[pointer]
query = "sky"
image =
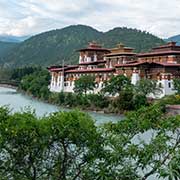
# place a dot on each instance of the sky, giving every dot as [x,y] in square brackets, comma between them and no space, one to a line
[29,17]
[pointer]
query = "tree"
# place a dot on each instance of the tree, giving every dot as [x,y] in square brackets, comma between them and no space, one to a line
[84,84]
[125,100]
[68,146]
[76,143]
[139,100]
[19,73]
[146,143]
[36,84]
[176,83]
[116,84]
[61,146]
[146,87]
[23,146]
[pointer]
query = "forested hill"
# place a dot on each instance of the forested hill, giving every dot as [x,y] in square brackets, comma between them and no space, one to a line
[5,48]
[53,46]
[140,40]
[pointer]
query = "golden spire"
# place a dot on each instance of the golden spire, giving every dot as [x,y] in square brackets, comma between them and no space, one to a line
[120,45]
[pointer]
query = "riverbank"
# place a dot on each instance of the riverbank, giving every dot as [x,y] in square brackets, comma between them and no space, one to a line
[84,109]
[90,110]
[19,102]
[8,86]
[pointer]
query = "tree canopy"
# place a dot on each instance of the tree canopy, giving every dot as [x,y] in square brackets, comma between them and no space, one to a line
[60,146]
[69,146]
[36,83]
[176,83]
[116,84]
[147,87]
[84,84]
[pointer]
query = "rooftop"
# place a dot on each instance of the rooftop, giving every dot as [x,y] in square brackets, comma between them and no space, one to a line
[144,62]
[168,52]
[168,49]
[90,70]
[93,62]
[93,46]
[61,68]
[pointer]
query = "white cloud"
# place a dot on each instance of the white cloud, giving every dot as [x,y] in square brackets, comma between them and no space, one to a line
[24,17]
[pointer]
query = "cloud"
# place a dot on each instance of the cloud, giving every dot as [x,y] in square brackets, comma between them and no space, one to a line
[27,17]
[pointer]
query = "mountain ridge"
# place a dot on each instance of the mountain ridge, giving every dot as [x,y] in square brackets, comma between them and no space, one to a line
[175,38]
[52,47]
[14,39]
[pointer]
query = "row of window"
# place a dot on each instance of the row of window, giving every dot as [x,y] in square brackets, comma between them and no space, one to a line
[169,85]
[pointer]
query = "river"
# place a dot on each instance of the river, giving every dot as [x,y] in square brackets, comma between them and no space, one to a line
[18,102]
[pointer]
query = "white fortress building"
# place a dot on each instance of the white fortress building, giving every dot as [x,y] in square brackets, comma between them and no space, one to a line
[161,64]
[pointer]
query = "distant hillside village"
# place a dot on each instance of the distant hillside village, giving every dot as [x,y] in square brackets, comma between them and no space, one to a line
[161,64]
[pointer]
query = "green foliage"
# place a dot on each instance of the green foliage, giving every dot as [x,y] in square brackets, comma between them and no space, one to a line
[139,100]
[68,146]
[125,100]
[89,101]
[5,74]
[76,144]
[176,83]
[116,84]
[19,73]
[22,150]
[140,40]
[84,84]
[169,100]
[61,146]
[53,46]
[5,49]
[147,142]
[98,101]
[129,97]
[36,84]
[146,87]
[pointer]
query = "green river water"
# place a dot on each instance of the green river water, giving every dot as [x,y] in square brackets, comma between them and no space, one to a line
[18,102]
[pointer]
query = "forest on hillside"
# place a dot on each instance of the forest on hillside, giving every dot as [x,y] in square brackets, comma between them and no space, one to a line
[5,48]
[52,47]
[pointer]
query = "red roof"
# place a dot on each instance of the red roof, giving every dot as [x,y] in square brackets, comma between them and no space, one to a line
[120,53]
[90,70]
[60,68]
[169,44]
[167,64]
[93,49]
[139,63]
[93,46]
[56,69]
[129,64]
[93,62]
[171,52]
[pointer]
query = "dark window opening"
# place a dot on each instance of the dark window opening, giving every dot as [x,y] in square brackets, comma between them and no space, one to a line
[169,84]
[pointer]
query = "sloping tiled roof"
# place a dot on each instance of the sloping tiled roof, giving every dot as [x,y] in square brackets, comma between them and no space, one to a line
[169,52]
[92,62]
[139,63]
[55,69]
[129,64]
[120,53]
[90,70]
